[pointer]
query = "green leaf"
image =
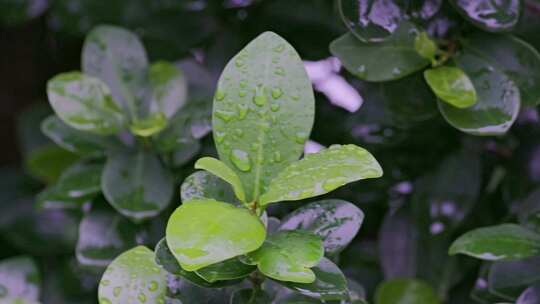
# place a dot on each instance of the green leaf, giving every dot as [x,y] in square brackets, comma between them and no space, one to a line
[528,211]
[509,278]
[322,172]
[513,56]
[227,270]
[452,85]
[149,125]
[82,143]
[288,256]
[330,283]
[263,111]
[220,169]
[204,232]
[103,235]
[335,221]
[492,16]
[498,98]
[133,277]
[204,185]
[405,291]
[19,280]
[502,242]
[398,52]
[166,259]
[250,296]
[117,57]
[84,103]
[48,162]
[169,88]
[426,47]
[136,184]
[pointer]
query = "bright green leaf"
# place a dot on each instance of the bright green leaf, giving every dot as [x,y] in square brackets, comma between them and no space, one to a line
[84,103]
[117,56]
[452,85]
[426,47]
[220,169]
[19,280]
[204,232]
[405,291]
[502,242]
[498,98]
[322,172]
[133,277]
[335,221]
[491,16]
[263,111]
[103,235]
[227,270]
[149,125]
[137,184]
[330,283]
[288,256]
[364,59]
[82,143]
[169,88]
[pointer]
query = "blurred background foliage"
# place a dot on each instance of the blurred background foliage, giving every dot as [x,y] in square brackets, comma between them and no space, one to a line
[438,182]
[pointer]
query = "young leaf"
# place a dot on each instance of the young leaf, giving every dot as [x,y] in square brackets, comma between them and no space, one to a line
[204,232]
[133,277]
[221,170]
[288,256]
[489,15]
[330,283]
[405,291]
[452,85]
[169,88]
[322,172]
[498,98]
[204,185]
[149,125]
[227,270]
[103,236]
[502,242]
[82,143]
[136,184]
[19,280]
[335,221]
[364,60]
[84,103]
[263,111]
[117,57]
[166,259]
[515,57]
[426,47]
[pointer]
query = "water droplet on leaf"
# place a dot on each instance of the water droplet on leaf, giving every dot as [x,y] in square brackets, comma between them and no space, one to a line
[241,160]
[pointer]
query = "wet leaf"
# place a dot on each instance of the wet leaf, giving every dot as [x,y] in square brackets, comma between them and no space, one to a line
[149,125]
[103,235]
[227,270]
[204,232]
[169,88]
[405,291]
[426,47]
[322,172]
[82,143]
[19,280]
[330,283]
[451,85]
[133,277]
[509,279]
[494,243]
[220,169]
[498,98]
[166,259]
[84,103]
[136,184]
[515,57]
[363,59]
[263,111]
[204,185]
[288,256]
[492,16]
[335,221]
[117,57]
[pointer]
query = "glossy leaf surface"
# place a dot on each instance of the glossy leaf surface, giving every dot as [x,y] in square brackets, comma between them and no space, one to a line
[204,185]
[220,169]
[451,85]
[227,270]
[492,16]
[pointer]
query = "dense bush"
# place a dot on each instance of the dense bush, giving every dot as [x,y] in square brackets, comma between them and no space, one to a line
[123,198]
